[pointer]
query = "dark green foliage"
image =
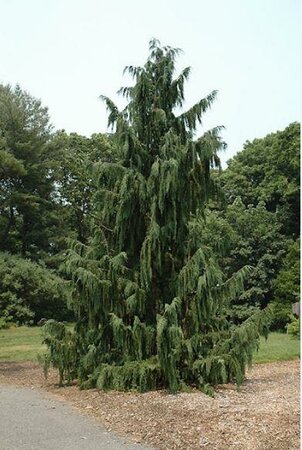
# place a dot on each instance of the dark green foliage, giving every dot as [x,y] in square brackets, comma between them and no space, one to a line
[286,287]
[258,242]
[282,315]
[268,170]
[287,283]
[75,157]
[142,376]
[239,236]
[5,323]
[149,297]
[29,292]
[62,352]
[293,328]
[261,223]
[27,212]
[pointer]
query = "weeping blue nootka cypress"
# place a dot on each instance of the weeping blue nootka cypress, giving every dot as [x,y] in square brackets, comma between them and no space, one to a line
[148,297]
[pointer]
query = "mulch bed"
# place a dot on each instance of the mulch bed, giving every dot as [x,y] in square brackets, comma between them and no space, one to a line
[263,415]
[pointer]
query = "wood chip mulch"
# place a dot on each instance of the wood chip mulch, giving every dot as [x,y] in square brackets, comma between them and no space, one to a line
[263,415]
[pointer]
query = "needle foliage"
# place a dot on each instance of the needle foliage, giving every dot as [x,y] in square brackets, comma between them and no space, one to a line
[148,296]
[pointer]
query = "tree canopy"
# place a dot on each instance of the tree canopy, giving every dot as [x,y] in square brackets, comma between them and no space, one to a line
[267,173]
[26,185]
[268,170]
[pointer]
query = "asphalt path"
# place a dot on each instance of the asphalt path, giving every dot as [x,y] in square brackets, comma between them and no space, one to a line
[32,420]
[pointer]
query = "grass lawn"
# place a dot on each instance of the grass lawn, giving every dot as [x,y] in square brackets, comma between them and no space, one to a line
[21,344]
[278,347]
[24,344]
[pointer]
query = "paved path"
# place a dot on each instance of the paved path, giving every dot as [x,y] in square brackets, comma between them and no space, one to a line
[30,420]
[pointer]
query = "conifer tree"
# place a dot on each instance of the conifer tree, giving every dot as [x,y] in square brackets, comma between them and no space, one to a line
[148,297]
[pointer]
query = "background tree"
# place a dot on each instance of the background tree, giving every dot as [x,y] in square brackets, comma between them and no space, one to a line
[27,216]
[149,297]
[268,170]
[45,191]
[240,236]
[75,157]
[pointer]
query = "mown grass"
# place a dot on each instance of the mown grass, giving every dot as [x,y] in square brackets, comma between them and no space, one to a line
[24,344]
[21,344]
[278,347]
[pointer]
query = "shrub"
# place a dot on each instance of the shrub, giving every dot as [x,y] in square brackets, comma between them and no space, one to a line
[29,292]
[4,323]
[293,328]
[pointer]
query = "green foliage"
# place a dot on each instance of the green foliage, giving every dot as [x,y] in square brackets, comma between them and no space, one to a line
[286,287]
[4,323]
[239,236]
[140,375]
[258,242]
[268,170]
[287,283]
[293,328]
[29,292]
[263,226]
[75,156]
[61,350]
[149,296]
[282,313]
[27,217]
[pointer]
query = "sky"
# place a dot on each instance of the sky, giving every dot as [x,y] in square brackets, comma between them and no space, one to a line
[69,52]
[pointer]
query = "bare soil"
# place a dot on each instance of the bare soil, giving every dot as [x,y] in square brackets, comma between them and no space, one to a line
[263,415]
